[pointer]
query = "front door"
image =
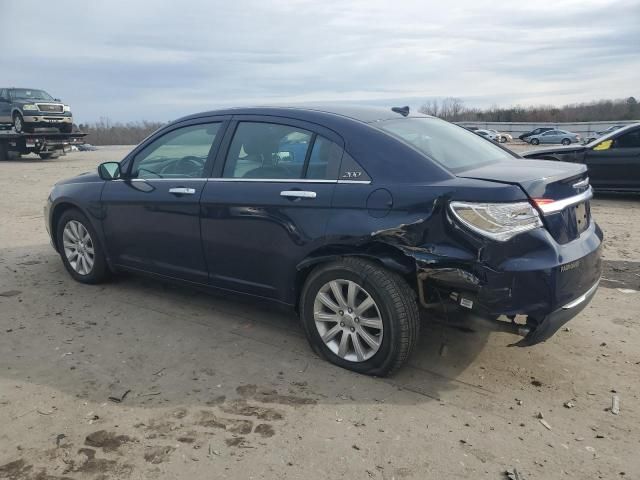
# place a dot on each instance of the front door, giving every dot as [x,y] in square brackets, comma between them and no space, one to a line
[152,216]
[618,165]
[269,205]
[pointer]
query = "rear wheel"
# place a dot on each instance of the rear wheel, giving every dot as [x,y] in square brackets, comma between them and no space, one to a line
[80,248]
[535,141]
[360,316]
[566,141]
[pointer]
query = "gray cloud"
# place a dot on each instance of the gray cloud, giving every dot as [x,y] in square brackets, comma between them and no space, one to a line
[152,59]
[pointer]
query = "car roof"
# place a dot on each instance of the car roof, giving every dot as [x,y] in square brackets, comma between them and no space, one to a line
[361,113]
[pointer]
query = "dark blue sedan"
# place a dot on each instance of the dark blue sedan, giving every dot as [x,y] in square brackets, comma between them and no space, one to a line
[357,218]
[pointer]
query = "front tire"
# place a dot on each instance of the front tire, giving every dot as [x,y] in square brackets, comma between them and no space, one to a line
[18,123]
[566,141]
[80,248]
[360,316]
[66,128]
[535,141]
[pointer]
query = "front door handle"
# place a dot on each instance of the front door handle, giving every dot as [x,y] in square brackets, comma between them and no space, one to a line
[182,191]
[297,194]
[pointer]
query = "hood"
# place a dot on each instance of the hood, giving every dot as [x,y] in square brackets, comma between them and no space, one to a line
[538,178]
[87,177]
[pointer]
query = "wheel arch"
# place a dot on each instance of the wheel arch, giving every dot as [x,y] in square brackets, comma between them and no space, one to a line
[387,256]
[56,213]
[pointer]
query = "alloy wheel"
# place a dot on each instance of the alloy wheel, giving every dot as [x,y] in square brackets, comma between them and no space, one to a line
[348,320]
[78,247]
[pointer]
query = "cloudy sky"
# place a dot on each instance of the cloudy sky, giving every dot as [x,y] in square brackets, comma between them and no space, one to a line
[158,60]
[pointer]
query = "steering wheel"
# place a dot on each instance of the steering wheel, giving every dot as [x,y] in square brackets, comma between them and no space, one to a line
[190,166]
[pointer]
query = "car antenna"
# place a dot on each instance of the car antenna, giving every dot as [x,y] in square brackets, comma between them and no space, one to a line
[404,111]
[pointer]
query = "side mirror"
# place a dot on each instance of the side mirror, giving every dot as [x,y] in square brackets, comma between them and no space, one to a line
[57,100]
[109,170]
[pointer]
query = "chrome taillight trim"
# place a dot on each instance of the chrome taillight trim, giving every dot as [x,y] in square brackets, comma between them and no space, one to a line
[560,205]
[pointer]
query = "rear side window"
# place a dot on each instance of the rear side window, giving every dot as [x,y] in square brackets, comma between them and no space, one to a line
[274,151]
[455,148]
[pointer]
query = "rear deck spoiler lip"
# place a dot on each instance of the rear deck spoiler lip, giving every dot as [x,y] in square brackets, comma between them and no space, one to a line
[560,205]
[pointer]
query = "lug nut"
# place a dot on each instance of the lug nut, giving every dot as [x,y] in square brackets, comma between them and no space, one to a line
[350,310]
[353,329]
[357,320]
[341,313]
[342,324]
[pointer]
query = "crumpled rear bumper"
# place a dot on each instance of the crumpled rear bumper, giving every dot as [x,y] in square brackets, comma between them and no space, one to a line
[550,324]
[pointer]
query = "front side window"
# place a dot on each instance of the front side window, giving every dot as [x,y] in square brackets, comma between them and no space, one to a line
[181,153]
[455,148]
[274,151]
[628,140]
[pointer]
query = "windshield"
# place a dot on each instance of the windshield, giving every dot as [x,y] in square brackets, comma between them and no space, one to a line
[24,94]
[455,148]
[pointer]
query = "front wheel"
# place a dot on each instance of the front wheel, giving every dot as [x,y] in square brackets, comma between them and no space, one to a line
[360,316]
[18,123]
[535,141]
[566,141]
[80,248]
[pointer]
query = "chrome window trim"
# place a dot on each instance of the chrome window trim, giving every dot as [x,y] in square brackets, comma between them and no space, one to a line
[218,179]
[560,205]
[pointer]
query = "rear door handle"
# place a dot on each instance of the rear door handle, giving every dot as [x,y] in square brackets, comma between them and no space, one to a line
[297,194]
[182,191]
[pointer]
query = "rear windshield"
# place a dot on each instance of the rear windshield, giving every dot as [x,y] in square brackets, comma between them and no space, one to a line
[25,94]
[455,148]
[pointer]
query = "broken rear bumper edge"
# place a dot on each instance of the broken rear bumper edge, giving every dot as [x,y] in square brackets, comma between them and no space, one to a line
[551,323]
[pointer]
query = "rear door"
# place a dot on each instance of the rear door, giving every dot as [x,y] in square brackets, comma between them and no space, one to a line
[152,217]
[268,204]
[616,164]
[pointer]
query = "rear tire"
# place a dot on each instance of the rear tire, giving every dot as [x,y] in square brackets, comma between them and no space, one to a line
[393,309]
[535,141]
[89,264]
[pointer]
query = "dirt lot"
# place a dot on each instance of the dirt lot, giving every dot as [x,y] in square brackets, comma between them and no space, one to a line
[222,389]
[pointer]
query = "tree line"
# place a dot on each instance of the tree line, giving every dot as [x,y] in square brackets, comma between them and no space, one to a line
[105,132]
[454,110]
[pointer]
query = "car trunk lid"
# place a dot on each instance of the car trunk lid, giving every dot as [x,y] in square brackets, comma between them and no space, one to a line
[560,190]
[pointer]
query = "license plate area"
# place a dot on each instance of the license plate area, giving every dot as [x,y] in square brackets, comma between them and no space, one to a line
[582,217]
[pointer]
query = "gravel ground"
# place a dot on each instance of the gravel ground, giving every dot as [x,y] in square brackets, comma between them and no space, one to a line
[219,388]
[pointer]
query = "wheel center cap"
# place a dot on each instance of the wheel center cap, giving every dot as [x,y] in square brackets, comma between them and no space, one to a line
[347,318]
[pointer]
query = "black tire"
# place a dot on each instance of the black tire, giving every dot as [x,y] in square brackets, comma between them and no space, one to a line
[566,141]
[66,128]
[47,156]
[4,152]
[18,123]
[100,271]
[535,141]
[395,300]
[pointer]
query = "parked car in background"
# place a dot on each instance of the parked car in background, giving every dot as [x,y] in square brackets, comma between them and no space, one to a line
[555,136]
[524,137]
[595,135]
[613,161]
[27,109]
[86,147]
[473,129]
[490,134]
[356,244]
[504,137]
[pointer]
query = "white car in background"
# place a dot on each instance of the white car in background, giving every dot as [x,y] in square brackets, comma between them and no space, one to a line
[490,134]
